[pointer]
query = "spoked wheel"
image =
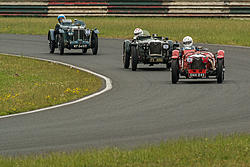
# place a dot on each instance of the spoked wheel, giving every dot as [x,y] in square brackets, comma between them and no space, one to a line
[61,45]
[51,45]
[94,43]
[84,51]
[134,58]
[126,57]
[175,71]
[220,72]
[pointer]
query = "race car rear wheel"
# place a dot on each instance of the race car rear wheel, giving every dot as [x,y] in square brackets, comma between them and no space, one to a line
[51,45]
[175,71]
[220,72]
[94,43]
[84,51]
[134,58]
[126,57]
[61,44]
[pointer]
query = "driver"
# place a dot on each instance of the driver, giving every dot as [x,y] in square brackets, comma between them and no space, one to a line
[188,43]
[60,19]
[137,32]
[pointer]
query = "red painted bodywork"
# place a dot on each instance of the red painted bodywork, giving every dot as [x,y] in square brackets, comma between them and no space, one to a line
[175,54]
[220,54]
[197,71]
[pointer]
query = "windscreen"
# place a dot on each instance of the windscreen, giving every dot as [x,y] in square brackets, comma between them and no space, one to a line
[145,33]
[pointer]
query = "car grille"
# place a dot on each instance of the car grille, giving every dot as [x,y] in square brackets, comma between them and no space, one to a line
[76,33]
[155,47]
[197,64]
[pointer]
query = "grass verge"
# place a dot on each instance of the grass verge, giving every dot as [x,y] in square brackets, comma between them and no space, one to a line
[231,151]
[27,84]
[203,30]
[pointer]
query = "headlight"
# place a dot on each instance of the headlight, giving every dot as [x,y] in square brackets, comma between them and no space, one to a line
[189,59]
[70,33]
[165,46]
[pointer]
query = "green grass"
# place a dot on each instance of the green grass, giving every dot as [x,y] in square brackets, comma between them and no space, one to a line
[27,84]
[231,151]
[203,30]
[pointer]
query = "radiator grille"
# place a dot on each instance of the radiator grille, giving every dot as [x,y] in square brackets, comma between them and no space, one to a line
[155,47]
[78,34]
[197,64]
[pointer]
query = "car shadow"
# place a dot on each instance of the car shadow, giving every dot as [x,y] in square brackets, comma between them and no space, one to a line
[197,82]
[152,69]
[74,54]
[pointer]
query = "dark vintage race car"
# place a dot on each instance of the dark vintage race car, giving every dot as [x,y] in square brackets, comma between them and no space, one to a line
[73,36]
[147,49]
[197,64]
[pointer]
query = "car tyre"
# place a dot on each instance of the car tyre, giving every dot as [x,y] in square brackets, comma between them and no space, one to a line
[94,43]
[134,58]
[84,51]
[220,72]
[51,45]
[175,71]
[126,57]
[61,44]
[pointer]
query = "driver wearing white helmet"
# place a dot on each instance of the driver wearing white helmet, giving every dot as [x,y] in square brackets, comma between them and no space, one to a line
[137,32]
[188,43]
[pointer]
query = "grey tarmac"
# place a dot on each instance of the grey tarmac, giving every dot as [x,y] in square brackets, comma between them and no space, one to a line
[142,108]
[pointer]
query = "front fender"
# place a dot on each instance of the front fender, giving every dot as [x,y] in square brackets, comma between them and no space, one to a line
[175,54]
[220,54]
[127,46]
[51,34]
[96,31]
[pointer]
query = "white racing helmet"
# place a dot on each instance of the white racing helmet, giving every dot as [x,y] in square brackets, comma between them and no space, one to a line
[137,31]
[187,41]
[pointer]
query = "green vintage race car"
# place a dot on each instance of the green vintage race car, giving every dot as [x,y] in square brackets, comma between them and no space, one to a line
[147,49]
[73,36]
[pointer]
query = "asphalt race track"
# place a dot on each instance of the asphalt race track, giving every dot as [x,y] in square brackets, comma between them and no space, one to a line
[143,107]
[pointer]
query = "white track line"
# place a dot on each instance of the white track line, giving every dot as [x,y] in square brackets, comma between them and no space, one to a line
[107,88]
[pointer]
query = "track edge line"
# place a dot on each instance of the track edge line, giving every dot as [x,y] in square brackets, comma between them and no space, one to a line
[108,83]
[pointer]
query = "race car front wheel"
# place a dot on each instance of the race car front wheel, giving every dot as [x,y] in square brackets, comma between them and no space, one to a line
[134,58]
[175,71]
[51,45]
[220,72]
[94,43]
[126,57]
[61,45]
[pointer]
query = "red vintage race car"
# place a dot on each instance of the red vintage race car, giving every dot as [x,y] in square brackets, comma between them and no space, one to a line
[197,64]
